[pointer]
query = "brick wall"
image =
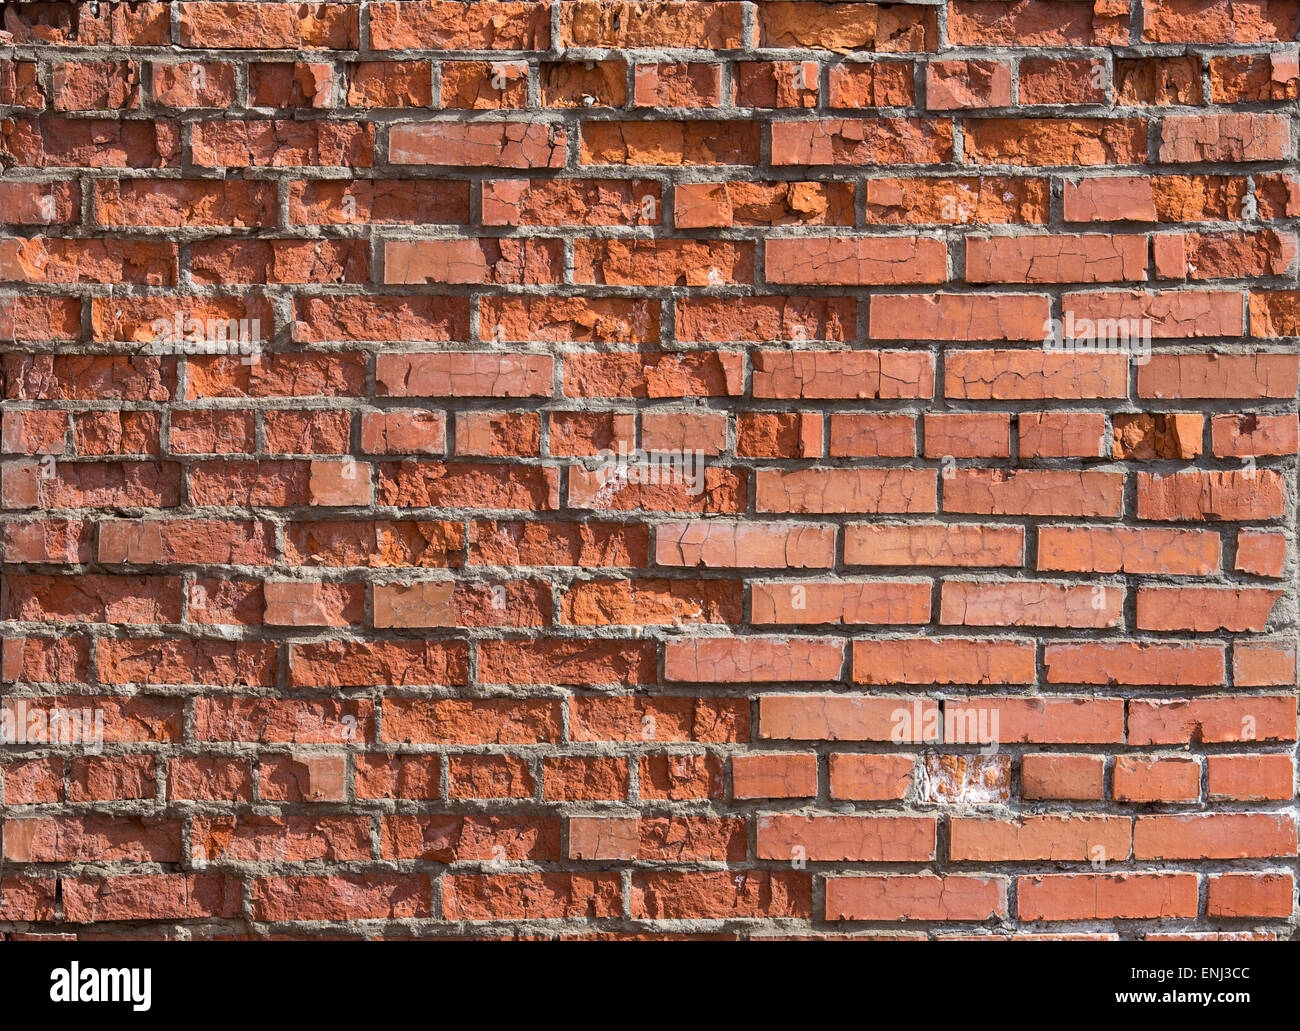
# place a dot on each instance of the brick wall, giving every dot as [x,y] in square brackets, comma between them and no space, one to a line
[958,600]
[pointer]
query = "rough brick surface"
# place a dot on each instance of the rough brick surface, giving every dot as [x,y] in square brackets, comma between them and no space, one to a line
[605,469]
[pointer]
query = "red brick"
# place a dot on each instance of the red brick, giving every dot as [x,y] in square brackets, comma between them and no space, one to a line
[1135,662]
[345,897]
[1034,492]
[668,143]
[1217,22]
[1261,553]
[857,261]
[1050,776]
[873,839]
[670,895]
[1048,80]
[871,777]
[1236,436]
[866,141]
[1122,549]
[723,545]
[1135,896]
[1251,778]
[958,317]
[946,660]
[281,143]
[845,490]
[984,23]
[1034,603]
[603,837]
[950,544]
[1056,141]
[916,897]
[984,200]
[840,602]
[1214,836]
[871,436]
[1234,137]
[1109,198]
[753,660]
[856,374]
[1033,375]
[774,775]
[1250,895]
[1055,259]
[1204,610]
[1061,434]
[840,26]
[1040,838]
[1213,720]
[954,85]
[1198,496]
[1157,780]
[717,26]
[1240,375]
[832,717]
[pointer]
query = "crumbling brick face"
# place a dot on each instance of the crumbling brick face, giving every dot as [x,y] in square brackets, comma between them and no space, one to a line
[609,469]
